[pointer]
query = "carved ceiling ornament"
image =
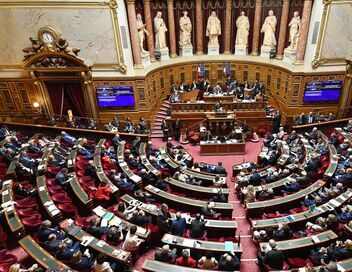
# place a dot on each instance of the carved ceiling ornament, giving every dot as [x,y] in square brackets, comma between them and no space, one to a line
[50,49]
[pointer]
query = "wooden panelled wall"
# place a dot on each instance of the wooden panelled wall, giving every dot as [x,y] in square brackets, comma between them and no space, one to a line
[18,95]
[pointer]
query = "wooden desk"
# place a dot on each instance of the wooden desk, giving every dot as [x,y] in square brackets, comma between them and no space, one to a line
[46,200]
[189,96]
[215,98]
[215,247]
[285,154]
[325,237]
[155,266]
[216,227]
[273,185]
[125,168]
[12,218]
[150,168]
[194,190]
[79,192]
[43,163]
[301,218]
[113,252]
[71,160]
[100,173]
[41,256]
[125,225]
[274,204]
[189,204]
[333,158]
[345,134]
[228,148]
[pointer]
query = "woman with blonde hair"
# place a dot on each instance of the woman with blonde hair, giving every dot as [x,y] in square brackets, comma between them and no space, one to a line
[249,194]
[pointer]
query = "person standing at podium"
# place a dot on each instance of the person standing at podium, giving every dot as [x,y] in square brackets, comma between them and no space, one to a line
[218,106]
[208,137]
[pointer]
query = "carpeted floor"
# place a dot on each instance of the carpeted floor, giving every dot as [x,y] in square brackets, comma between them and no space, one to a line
[249,248]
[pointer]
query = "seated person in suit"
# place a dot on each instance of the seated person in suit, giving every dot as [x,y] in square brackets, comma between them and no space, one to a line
[52,161]
[283,232]
[313,165]
[249,194]
[220,197]
[45,230]
[123,183]
[342,250]
[163,219]
[186,260]
[310,118]
[344,178]
[81,262]
[23,192]
[114,235]
[208,211]
[218,106]
[300,120]
[66,250]
[293,136]
[348,127]
[22,171]
[84,152]
[219,169]
[323,255]
[52,243]
[345,214]
[232,135]
[208,262]
[313,135]
[271,257]
[208,136]
[333,139]
[131,241]
[32,148]
[91,170]
[255,178]
[116,141]
[7,156]
[165,254]
[143,196]
[138,218]
[95,230]
[197,229]
[123,211]
[68,138]
[229,262]
[268,139]
[26,160]
[161,185]
[61,178]
[178,226]
[266,194]
[318,226]
[290,186]
[342,148]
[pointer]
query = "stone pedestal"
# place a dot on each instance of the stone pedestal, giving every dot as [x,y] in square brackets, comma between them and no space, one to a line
[164,53]
[265,51]
[290,55]
[186,50]
[241,50]
[145,58]
[213,49]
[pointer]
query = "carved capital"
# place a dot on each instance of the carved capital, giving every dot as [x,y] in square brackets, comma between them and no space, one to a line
[130,2]
[198,1]
[170,1]
[349,68]
[325,2]
[112,4]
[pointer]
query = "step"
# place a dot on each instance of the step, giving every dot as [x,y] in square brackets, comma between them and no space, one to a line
[157,131]
[163,108]
[162,112]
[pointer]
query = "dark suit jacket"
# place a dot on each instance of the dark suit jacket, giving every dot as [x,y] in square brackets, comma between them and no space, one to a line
[220,170]
[178,227]
[197,229]
[274,258]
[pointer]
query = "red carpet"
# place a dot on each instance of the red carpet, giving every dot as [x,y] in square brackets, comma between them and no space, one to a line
[249,248]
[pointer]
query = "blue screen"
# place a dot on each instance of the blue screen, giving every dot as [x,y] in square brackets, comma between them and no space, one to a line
[322,91]
[115,96]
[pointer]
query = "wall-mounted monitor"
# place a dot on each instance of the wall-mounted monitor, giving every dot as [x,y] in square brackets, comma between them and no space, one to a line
[115,96]
[322,91]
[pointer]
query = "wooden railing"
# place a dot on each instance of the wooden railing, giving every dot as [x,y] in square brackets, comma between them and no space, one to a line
[323,126]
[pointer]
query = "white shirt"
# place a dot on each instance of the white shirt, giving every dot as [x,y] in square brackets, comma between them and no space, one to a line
[105,267]
[131,241]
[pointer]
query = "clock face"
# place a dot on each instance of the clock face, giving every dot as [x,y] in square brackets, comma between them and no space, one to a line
[47,38]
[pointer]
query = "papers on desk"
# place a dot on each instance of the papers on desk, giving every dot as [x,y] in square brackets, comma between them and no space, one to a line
[115,221]
[99,211]
[185,216]
[157,190]
[141,230]
[70,162]
[188,243]
[228,245]
[6,192]
[55,212]
[104,222]
[7,204]
[151,207]
[101,243]
[136,178]
[340,268]
[86,240]
[48,203]
[334,203]
[41,167]
[41,188]
[52,208]
[315,239]
[6,182]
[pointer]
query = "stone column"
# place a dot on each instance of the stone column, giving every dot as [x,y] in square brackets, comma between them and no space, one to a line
[172,32]
[345,100]
[303,33]
[149,26]
[256,27]
[132,20]
[283,29]
[227,49]
[199,27]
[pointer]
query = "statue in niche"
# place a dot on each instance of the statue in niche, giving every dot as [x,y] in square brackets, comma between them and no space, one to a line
[243,25]
[213,29]
[269,28]
[295,26]
[185,29]
[141,32]
[160,30]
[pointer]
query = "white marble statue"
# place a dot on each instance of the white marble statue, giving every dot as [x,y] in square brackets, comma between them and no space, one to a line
[213,29]
[295,26]
[141,32]
[243,25]
[160,30]
[185,29]
[269,28]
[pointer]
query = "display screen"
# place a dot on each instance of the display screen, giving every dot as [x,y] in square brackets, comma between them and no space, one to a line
[322,91]
[115,96]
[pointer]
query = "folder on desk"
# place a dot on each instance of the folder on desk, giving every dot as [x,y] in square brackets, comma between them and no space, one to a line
[74,230]
[228,245]
[315,239]
[86,240]
[108,216]
[99,211]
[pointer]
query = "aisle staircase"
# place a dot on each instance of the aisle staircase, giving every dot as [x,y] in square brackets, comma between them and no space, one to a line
[159,118]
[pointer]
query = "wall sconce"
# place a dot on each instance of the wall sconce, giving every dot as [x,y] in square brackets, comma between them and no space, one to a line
[36,106]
